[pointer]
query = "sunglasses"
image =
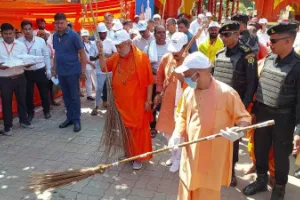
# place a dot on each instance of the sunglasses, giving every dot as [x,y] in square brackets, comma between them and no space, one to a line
[227,34]
[273,41]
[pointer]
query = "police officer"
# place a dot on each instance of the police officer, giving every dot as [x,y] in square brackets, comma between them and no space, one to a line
[236,65]
[245,36]
[278,98]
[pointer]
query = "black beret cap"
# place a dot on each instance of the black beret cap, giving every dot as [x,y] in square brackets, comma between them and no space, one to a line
[230,26]
[283,27]
[240,17]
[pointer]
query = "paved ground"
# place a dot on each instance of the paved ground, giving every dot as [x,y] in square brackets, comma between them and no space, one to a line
[48,148]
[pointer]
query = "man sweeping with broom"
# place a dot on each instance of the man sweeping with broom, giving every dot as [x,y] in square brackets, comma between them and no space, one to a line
[132,83]
[207,106]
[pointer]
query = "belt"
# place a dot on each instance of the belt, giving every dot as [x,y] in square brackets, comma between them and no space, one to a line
[276,110]
[12,77]
[33,70]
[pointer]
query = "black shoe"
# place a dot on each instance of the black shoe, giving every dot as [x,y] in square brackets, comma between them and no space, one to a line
[259,185]
[65,124]
[90,98]
[278,192]
[30,117]
[94,111]
[77,127]
[233,182]
[26,124]
[47,116]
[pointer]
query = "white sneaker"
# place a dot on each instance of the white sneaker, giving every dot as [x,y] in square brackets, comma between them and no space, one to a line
[169,162]
[136,165]
[8,132]
[175,166]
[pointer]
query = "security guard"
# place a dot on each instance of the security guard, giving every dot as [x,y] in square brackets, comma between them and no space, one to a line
[278,98]
[245,36]
[236,65]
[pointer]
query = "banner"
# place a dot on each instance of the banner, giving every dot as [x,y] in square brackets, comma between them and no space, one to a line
[145,9]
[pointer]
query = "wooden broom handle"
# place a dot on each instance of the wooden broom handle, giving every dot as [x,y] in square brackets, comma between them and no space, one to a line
[187,48]
[247,128]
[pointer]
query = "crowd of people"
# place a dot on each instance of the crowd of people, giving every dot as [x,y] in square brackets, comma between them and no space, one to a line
[231,75]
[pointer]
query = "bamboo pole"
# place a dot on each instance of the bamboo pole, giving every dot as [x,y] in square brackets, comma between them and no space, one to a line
[232,7]
[220,11]
[42,182]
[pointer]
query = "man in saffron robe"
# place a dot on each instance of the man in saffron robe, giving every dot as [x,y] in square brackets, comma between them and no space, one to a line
[132,83]
[207,107]
[169,89]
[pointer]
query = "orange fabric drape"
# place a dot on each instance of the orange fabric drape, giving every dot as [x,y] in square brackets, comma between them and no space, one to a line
[270,9]
[14,12]
[172,7]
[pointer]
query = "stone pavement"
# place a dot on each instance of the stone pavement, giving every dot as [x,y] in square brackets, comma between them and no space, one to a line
[48,148]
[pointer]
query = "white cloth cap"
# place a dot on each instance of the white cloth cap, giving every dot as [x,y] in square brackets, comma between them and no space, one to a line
[263,21]
[135,16]
[121,36]
[178,40]
[208,14]
[214,24]
[117,26]
[133,31]
[84,32]
[156,16]
[101,28]
[142,25]
[196,60]
[201,16]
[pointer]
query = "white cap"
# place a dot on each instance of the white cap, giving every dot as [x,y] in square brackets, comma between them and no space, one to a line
[101,28]
[142,25]
[117,26]
[201,16]
[208,14]
[263,21]
[121,36]
[214,24]
[84,32]
[135,16]
[178,40]
[133,31]
[196,60]
[156,16]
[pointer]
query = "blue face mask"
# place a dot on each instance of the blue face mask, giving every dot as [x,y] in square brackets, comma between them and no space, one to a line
[191,83]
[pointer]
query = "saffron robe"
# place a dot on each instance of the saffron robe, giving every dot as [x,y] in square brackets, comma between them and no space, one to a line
[130,98]
[168,82]
[203,113]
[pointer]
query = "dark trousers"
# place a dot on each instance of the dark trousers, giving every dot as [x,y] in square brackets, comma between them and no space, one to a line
[39,78]
[104,92]
[8,86]
[235,157]
[50,91]
[69,86]
[155,110]
[280,136]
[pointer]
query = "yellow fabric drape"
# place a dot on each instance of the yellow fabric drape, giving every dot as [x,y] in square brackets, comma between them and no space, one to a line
[276,3]
[187,6]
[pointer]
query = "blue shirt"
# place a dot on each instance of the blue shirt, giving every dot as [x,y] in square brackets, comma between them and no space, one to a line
[194,45]
[66,48]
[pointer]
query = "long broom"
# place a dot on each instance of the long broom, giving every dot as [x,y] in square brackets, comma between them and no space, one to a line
[42,182]
[115,136]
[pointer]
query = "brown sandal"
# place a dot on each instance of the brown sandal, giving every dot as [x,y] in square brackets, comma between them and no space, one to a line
[94,111]
[153,132]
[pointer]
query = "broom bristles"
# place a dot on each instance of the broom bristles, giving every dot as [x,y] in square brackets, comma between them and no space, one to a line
[115,136]
[42,182]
